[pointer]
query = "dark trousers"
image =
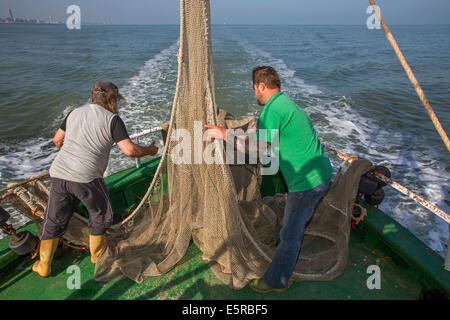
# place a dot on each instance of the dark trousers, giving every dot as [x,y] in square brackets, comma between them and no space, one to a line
[63,201]
[298,211]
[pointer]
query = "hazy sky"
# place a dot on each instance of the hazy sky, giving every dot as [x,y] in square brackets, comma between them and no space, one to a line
[236,11]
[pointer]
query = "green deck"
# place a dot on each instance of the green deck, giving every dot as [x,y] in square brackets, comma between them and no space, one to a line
[407,266]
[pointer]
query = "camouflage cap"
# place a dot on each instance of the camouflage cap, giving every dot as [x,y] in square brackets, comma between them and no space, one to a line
[106,86]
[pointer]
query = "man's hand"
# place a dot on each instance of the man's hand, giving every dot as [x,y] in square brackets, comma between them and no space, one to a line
[58,139]
[153,149]
[252,125]
[216,132]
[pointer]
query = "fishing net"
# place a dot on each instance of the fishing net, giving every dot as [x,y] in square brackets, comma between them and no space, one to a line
[216,205]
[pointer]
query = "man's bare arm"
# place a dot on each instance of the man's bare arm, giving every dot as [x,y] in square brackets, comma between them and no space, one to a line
[133,150]
[58,139]
[243,145]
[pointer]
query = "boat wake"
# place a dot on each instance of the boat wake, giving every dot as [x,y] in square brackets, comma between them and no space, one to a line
[340,122]
[341,125]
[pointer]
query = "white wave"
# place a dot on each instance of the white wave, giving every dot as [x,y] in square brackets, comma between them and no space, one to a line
[148,102]
[22,161]
[350,132]
[149,92]
[291,83]
[148,97]
[27,158]
[417,170]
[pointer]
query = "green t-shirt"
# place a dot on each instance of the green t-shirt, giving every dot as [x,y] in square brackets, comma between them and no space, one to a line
[302,160]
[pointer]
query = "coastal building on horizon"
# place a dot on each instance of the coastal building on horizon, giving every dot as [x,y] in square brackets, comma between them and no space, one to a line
[12,20]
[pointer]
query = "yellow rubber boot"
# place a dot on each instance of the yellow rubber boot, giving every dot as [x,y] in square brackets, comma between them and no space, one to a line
[46,251]
[96,246]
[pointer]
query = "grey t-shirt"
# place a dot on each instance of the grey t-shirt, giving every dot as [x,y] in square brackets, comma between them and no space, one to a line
[90,133]
[118,130]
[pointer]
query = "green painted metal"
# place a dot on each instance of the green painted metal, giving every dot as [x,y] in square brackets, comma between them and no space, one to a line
[420,258]
[408,267]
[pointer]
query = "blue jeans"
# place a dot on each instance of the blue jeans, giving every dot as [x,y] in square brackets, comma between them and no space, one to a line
[298,211]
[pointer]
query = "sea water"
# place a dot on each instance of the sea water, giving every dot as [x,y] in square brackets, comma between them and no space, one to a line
[347,78]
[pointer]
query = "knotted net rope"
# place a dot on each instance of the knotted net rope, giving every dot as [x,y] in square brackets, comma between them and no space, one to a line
[412,77]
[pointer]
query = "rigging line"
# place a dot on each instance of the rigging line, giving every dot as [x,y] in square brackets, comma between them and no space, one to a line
[43,175]
[412,78]
[430,206]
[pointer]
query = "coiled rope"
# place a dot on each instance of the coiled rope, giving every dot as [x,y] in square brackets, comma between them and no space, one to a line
[412,78]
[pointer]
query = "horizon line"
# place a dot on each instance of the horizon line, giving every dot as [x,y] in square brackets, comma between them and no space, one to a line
[242,24]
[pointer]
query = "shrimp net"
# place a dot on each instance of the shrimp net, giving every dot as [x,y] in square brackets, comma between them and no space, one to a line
[217,205]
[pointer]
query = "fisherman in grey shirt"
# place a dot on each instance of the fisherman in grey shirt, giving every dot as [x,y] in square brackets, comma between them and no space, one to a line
[85,139]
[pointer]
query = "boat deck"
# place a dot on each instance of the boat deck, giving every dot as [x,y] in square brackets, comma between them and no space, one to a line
[193,279]
[407,267]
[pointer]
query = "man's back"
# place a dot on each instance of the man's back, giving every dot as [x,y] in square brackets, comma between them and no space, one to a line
[87,143]
[303,162]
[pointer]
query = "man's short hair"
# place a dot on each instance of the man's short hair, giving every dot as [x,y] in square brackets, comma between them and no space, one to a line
[266,75]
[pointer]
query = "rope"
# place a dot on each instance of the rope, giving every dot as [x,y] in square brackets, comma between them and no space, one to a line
[24,182]
[348,159]
[4,196]
[34,214]
[430,206]
[413,79]
[67,244]
[155,129]
[361,217]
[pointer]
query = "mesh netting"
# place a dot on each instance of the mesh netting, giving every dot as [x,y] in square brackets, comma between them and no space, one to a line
[218,206]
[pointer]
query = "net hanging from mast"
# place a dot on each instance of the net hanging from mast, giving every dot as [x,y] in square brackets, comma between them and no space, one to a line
[218,206]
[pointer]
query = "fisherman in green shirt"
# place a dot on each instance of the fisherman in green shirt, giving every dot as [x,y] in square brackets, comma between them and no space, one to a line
[303,163]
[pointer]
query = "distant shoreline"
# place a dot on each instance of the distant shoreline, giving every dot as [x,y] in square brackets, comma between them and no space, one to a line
[214,24]
[53,24]
[32,24]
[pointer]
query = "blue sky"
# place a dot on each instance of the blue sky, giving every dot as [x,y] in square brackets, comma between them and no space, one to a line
[236,11]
